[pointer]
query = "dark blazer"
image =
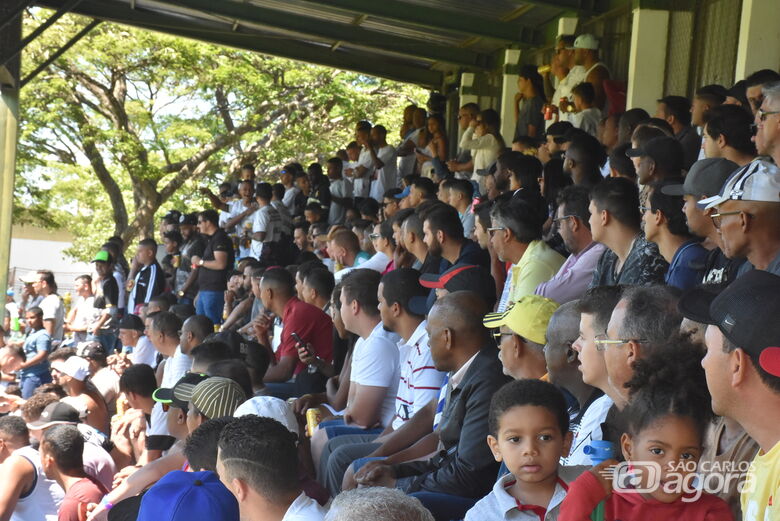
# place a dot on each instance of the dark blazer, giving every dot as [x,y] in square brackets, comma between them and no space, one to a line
[466,466]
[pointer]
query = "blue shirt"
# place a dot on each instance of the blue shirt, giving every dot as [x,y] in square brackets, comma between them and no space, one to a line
[687,266]
[36,342]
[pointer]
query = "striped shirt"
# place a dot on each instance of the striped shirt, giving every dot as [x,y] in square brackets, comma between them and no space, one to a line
[419,382]
[149,282]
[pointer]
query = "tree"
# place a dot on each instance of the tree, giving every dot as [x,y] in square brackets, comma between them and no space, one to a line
[127,123]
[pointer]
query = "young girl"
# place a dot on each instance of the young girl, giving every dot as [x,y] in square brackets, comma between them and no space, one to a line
[668,415]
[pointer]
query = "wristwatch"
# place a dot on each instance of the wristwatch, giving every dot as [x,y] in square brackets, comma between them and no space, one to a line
[201,262]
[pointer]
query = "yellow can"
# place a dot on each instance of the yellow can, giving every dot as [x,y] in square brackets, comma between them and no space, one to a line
[313,418]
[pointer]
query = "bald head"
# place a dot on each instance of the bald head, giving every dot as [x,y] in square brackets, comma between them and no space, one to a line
[462,312]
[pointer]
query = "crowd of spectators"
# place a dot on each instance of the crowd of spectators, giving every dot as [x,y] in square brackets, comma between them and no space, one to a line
[582,325]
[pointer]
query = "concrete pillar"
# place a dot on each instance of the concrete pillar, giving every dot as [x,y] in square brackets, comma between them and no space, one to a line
[10,36]
[467,91]
[759,38]
[647,60]
[508,92]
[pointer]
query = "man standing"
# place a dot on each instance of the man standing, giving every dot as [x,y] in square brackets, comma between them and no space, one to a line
[241,217]
[385,160]
[103,329]
[52,306]
[186,282]
[586,55]
[266,227]
[150,279]
[82,312]
[463,164]
[213,267]
[34,371]
[25,493]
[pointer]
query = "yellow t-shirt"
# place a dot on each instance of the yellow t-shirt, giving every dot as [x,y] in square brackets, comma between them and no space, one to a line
[538,264]
[761,491]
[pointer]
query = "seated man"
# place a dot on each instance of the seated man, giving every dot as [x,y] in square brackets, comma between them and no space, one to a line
[257,461]
[451,482]
[25,493]
[344,250]
[521,336]
[60,454]
[309,323]
[73,376]
[375,363]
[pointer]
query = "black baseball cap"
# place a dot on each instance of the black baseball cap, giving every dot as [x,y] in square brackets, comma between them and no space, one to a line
[745,312]
[57,413]
[666,151]
[189,218]
[705,178]
[91,349]
[133,322]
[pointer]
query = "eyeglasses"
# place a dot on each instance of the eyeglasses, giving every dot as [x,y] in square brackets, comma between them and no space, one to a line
[558,220]
[602,341]
[762,115]
[492,231]
[643,209]
[374,236]
[716,217]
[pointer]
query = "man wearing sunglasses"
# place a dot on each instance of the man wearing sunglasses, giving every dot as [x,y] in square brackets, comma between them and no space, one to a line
[746,212]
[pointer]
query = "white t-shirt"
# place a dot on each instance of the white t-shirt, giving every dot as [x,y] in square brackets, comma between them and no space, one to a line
[377,262]
[304,508]
[53,309]
[388,174]
[175,367]
[107,382]
[244,225]
[120,281]
[267,220]
[226,215]
[361,185]
[419,381]
[406,163]
[588,430]
[144,352]
[86,315]
[338,188]
[588,120]
[375,363]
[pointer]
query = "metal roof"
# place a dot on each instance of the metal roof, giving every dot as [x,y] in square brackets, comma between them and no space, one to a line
[415,41]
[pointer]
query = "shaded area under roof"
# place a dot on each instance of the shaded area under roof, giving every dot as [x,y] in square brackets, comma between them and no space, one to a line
[414,41]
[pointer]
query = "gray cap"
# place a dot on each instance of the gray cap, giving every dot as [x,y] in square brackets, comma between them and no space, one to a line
[705,178]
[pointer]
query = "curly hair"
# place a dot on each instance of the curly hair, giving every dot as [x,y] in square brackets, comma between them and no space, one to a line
[670,381]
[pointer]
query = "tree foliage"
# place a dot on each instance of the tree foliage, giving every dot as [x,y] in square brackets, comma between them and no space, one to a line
[128,124]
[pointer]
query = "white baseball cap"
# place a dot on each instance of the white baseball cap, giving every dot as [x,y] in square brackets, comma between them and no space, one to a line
[586,41]
[757,181]
[75,367]
[269,407]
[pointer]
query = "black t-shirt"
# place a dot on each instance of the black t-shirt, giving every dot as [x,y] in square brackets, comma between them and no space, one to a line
[216,280]
[192,248]
[719,269]
[107,297]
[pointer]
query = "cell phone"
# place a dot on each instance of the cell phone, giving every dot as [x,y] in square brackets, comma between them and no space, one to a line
[298,339]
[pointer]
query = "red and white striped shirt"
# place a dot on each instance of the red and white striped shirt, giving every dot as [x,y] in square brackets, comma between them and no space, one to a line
[419,382]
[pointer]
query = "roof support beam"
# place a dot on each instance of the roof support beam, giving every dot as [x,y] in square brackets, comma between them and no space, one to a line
[438,19]
[59,52]
[64,8]
[346,33]
[222,34]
